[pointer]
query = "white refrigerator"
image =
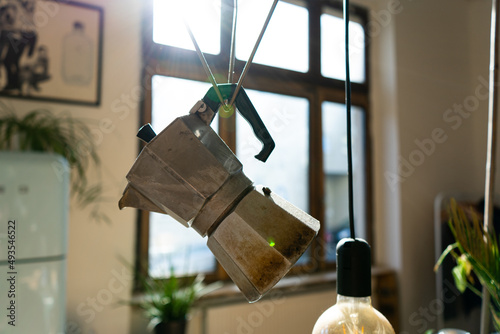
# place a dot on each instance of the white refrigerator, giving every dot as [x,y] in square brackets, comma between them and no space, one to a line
[34,199]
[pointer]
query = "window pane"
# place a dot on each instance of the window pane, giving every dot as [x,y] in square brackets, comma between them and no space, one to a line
[173,97]
[286,170]
[285,42]
[203,17]
[335,169]
[170,243]
[333,49]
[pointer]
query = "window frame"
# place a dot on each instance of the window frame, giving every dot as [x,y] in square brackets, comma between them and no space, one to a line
[180,63]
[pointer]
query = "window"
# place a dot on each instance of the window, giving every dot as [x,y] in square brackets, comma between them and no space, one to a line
[296,85]
[289,50]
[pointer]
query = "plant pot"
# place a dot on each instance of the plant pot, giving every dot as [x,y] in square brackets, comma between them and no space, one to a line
[172,327]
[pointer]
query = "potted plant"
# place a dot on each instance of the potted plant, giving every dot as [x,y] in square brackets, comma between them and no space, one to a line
[475,251]
[167,302]
[42,131]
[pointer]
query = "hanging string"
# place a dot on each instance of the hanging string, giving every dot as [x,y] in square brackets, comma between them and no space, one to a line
[348,114]
[204,62]
[254,50]
[232,54]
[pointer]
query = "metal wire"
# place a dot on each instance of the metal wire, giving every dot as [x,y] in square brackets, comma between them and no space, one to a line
[204,63]
[232,55]
[348,116]
[255,47]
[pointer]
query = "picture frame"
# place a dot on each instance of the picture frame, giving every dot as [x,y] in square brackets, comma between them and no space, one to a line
[51,51]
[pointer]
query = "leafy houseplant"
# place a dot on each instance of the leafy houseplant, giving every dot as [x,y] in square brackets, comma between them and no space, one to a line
[42,131]
[166,303]
[475,251]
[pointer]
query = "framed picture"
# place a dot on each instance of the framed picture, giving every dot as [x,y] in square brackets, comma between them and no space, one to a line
[51,50]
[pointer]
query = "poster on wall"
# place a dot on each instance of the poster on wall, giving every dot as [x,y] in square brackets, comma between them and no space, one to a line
[51,50]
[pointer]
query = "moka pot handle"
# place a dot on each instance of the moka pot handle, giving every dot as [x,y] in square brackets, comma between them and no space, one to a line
[247,110]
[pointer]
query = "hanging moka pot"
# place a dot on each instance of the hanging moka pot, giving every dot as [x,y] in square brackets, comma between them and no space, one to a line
[188,172]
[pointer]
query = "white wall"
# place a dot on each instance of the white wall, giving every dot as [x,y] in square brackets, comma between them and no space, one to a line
[426,60]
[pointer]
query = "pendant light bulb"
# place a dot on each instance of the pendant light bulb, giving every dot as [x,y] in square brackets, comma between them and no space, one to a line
[353,313]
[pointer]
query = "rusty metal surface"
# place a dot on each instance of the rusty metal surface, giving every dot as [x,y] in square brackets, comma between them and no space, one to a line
[258,243]
[181,168]
[217,207]
[132,197]
[253,265]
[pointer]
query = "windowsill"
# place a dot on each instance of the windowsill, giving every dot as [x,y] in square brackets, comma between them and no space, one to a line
[292,285]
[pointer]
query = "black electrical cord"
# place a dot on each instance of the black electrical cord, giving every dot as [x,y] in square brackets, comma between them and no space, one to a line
[348,114]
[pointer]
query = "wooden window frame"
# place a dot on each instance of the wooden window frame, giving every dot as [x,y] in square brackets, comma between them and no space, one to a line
[179,63]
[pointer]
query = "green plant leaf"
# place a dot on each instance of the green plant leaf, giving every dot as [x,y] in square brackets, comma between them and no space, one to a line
[169,299]
[460,278]
[445,253]
[475,250]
